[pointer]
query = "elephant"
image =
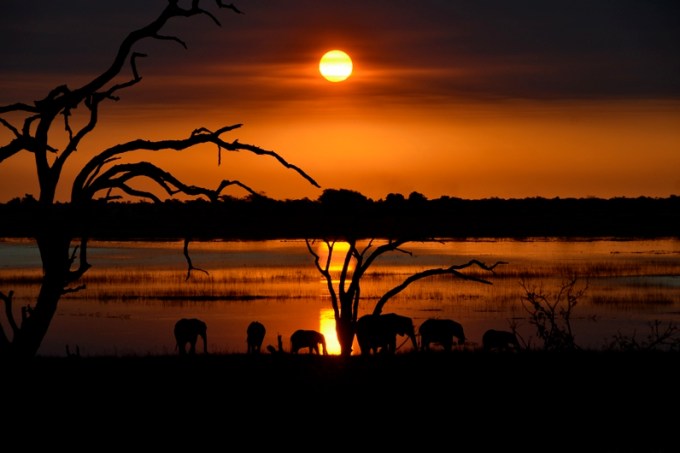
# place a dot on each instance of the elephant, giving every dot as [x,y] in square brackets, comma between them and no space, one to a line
[500,340]
[440,331]
[187,331]
[378,333]
[308,339]
[255,336]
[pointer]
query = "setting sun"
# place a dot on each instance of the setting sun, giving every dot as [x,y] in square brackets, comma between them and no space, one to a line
[335,66]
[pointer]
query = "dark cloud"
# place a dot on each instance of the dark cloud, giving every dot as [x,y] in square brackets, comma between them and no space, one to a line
[441,49]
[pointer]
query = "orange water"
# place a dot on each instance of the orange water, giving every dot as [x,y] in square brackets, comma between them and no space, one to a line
[137,290]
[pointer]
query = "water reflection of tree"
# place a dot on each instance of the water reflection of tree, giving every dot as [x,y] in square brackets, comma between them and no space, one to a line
[355,262]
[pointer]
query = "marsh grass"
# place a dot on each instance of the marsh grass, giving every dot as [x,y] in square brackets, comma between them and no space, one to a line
[631,300]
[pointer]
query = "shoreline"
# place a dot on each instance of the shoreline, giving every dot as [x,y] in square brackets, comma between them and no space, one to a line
[534,401]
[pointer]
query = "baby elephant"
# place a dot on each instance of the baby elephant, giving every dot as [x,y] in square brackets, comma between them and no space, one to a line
[187,332]
[307,339]
[255,336]
[442,332]
[500,340]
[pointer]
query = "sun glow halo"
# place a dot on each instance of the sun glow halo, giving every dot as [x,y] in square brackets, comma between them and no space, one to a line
[335,66]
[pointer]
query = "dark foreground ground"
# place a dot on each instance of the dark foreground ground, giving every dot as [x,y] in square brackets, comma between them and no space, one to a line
[585,401]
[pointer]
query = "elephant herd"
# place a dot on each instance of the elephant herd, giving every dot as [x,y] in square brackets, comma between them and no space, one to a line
[378,333]
[375,334]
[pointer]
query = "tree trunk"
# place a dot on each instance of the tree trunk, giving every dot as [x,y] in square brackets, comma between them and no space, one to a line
[54,244]
[34,327]
[344,327]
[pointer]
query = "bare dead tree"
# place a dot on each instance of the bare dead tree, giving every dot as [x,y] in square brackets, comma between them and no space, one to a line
[551,313]
[345,299]
[32,127]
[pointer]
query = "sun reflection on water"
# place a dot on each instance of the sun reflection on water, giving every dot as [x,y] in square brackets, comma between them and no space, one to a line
[327,328]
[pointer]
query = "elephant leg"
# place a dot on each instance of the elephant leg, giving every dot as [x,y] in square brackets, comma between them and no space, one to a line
[392,345]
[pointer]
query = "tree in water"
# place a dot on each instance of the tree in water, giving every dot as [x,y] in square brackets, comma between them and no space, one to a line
[62,230]
[355,263]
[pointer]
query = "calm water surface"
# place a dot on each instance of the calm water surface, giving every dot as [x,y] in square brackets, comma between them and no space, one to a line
[137,290]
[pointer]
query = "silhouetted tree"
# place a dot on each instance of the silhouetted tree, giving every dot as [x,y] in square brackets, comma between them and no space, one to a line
[417,197]
[59,227]
[394,199]
[550,313]
[355,263]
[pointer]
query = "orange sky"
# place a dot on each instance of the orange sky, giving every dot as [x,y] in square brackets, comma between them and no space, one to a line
[448,98]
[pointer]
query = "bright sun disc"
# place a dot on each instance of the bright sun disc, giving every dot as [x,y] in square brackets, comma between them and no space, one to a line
[335,66]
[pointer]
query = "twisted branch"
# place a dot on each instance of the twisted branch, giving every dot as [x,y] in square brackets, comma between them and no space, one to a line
[190,265]
[86,184]
[453,270]
[62,100]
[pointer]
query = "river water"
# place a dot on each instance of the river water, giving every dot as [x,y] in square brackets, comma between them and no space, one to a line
[136,291]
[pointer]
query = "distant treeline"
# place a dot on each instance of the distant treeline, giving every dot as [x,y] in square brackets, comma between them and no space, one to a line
[345,213]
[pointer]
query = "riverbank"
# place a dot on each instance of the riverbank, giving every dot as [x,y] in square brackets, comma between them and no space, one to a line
[395,216]
[413,373]
[531,401]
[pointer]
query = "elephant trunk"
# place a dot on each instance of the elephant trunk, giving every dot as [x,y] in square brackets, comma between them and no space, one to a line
[205,343]
[412,336]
